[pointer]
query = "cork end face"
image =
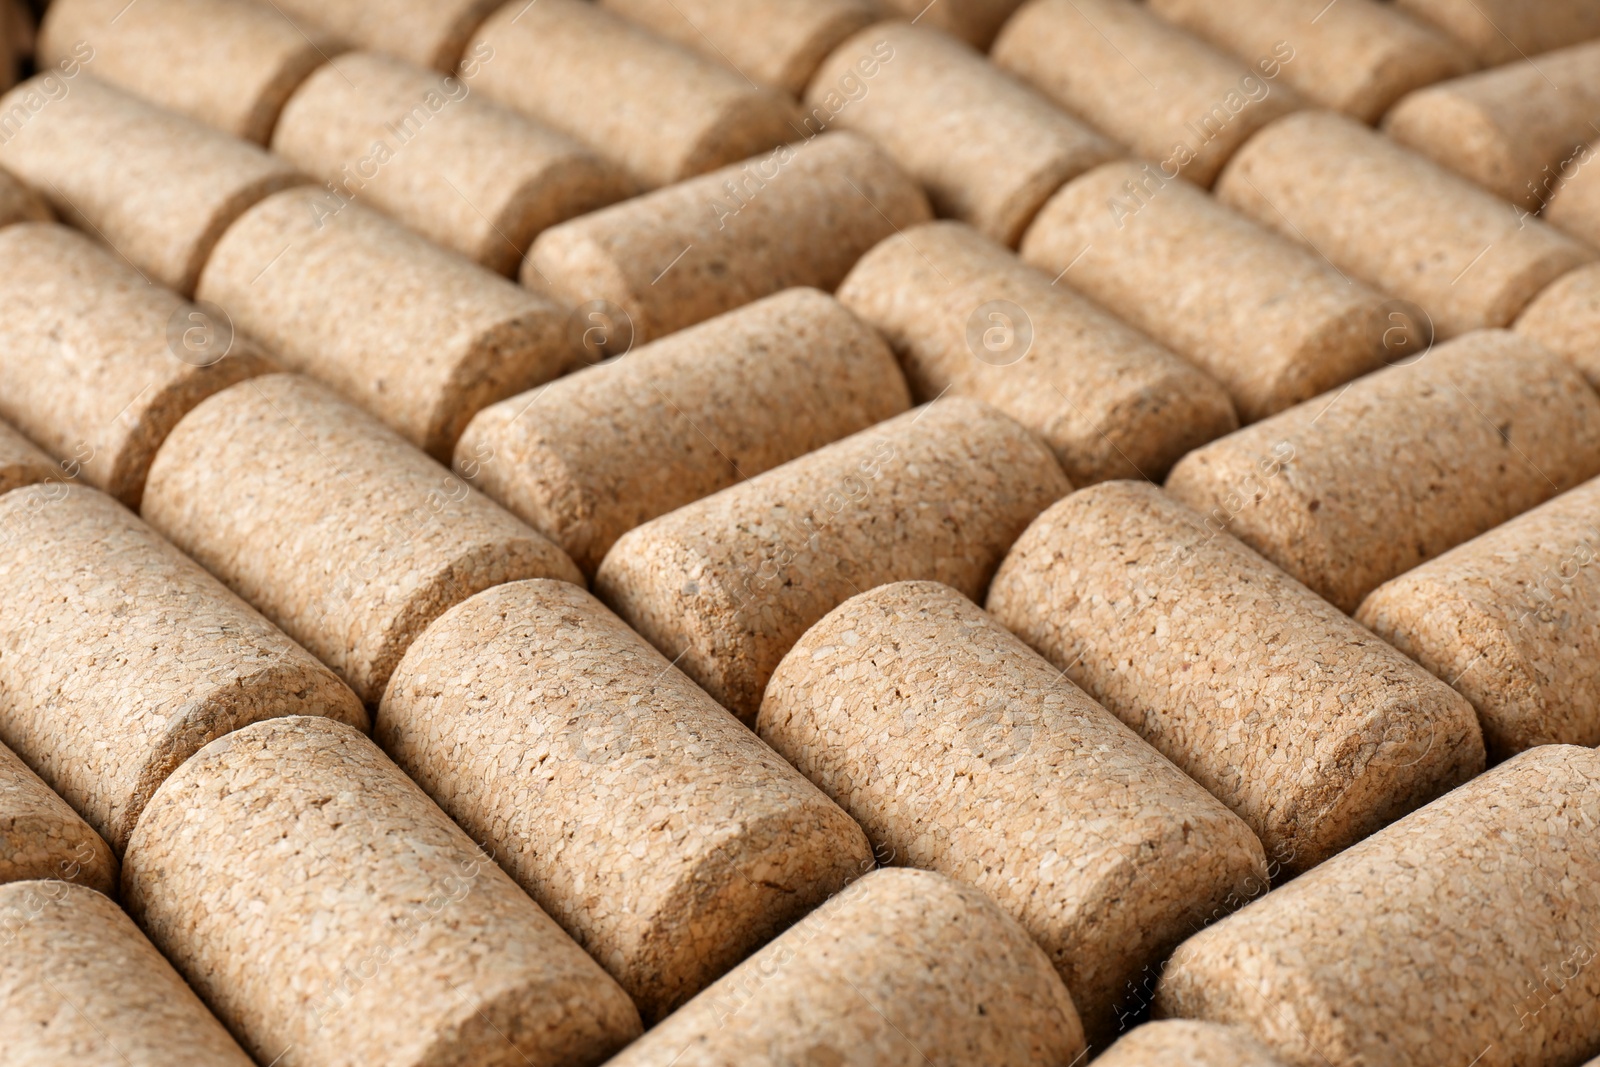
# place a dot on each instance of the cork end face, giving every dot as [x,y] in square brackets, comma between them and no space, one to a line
[752,122]
[1565,318]
[1455,132]
[570,187]
[543,1024]
[572,263]
[41,837]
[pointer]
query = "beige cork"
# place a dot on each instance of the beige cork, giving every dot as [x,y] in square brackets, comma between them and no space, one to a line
[973,21]
[18,203]
[161,199]
[80,985]
[592,455]
[1184,1043]
[418,146]
[1169,96]
[330,524]
[21,462]
[1311,729]
[800,216]
[988,149]
[418,336]
[428,33]
[120,657]
[42,837]
[965,315]
[99,366]
[659,111]
[960,750]
[331,914]
[1565,318]
[1273,322]
[643,817]
[1387,216]
[1402,465]
[1464,931]
[1574,201]
[1504,31]
[903,969]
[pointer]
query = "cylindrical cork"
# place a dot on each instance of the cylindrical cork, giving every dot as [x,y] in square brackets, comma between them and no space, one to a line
[428,33]
[988,150]
[18,203]
[667,260]
[1169,96]
[726,585]
[416,335]
[1402,465]
[1273,322]
[80,984]
[1184,1043]
[965,315]
[666,839]
[42,837]
[21,462]
[328,911]
[330,524]
[1311,729]
[661,112]
[592,455]
[974,21]
[1574,201]
[1565,318]
[904,968]
[959,750]
[1391,218]
[120,657]
[1464,931]
[161,199]
[1504,31]
[99,366]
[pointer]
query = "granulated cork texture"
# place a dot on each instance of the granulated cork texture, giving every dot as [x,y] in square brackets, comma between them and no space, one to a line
[1503,31]
[41,837]
[428,33]
[1176,1043]
[18,203]
[1565,318]
[21,462]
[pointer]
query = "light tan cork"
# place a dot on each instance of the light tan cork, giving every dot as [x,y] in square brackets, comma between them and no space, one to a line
[420,950]
[1504,31]
[1273,322]
[800,216]
[903,969]
[1167,95]
[1311,729]
[79,984]
[726,585]
[1574,203]
[120,657]
[1565,318]
[661,112]
[1391,218]
[965,315]
[1184,1043]
[960,750]
[1351,489]
[99,366]
[428,33]
[21,462]
[973,21]
[418,146]
[42,837]
[592,455]
[417,335]
[665,838]
[162,199]
[1462,931]
[18,203]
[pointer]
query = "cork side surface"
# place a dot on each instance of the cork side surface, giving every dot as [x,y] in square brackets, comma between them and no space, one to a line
[1565,318]
[1184,1043]
[1504,31]
[18,203]
[41,837]
[429,33]
[21,462]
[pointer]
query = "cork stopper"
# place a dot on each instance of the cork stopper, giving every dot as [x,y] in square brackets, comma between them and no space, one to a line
[18,203]
[427,33]
[1574,202]
[973,21]
[903,967]
[42,837]
[592,455]
[21,462]
[1504,31]
[1311,729]
[1182,1043]
[422,950]
[1565,318]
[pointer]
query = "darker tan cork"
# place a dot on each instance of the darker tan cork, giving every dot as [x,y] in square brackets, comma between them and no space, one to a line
[1565,318]
[959,750]
[427,33]
[973,21]
[42,837]
[21,462]
[1504,31]
[726,585]
[1311,729]
[592,455]
[331,525]
[1463,932]
[18,203]
[1574,201]
[120,657]
[903,968]
[422,951]
[666,839]
[1185,1043]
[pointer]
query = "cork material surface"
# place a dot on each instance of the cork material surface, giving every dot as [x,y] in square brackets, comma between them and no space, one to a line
[1574,205]
[21,462]
[1565,318]
[1504,31]
[428,33]
[42,837]
[1184,1043]
[421,950]
[18,203]
[973,21]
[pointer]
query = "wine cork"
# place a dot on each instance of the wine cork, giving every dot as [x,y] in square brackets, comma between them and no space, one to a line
[162,199]
[428,33]
[1573,205]
[416,335]
[665,838]
[1308,727]
[1273,322]
[80,984]
[463,172]
[422,950]
[1170,97]
[18,203]
[21,462]
[1184,1043]
[965,315]
[1504,31]
[1402,465]
[1565,318]
[1397,221]
[973,21]
[120,657]
[678,256]
[99,367]
[661,112]
[42,837]
[331,525]
[1462,932]
[592,455]
[904,967]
